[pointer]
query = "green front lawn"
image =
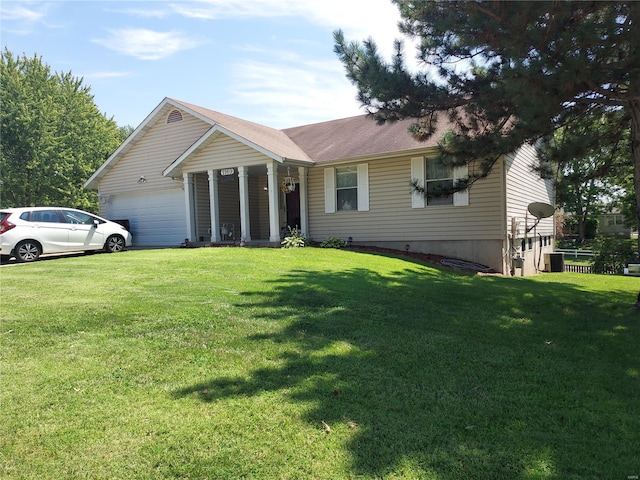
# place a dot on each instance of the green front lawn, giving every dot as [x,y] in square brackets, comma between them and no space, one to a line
[311,364]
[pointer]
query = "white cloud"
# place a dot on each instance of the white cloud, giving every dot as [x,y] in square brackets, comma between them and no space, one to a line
[105,75]
[359,19]
[142,12]
[290,90]
[20,12]
[22,18]
[217,9]
[147,44]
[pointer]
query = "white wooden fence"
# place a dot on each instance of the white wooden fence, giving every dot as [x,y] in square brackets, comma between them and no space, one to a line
[575,253]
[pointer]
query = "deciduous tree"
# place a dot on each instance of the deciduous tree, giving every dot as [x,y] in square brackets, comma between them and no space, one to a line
[53,135]
[590,158]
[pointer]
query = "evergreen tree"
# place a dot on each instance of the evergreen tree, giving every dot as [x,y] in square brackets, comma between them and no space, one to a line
[53,137]
[505,73]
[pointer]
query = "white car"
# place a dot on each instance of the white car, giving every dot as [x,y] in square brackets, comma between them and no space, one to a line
[26,233]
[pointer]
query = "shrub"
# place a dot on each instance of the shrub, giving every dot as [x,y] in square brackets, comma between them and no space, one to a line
[332,242]
[295,239]
[613,254]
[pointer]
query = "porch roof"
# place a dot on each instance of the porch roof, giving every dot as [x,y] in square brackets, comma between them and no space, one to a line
[256,135]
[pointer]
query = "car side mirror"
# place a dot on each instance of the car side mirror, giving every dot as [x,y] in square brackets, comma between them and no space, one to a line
[96,223]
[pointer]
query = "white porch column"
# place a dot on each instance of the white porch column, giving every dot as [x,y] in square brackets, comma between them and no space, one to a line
[243,177]
[304,204]
[189,206]
[274,214]
[214,206]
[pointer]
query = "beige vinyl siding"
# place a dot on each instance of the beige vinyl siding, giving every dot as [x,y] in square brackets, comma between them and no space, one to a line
[391,216]
[155,151]
[224,152]
[525,186]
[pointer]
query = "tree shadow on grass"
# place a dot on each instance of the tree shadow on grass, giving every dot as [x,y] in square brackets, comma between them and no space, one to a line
[453,375]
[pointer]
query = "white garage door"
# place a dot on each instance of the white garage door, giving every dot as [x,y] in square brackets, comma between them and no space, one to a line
[157,219]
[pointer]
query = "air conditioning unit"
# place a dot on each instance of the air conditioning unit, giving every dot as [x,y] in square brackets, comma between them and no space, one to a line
[554,262]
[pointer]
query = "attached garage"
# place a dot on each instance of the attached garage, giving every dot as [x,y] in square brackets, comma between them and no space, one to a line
[157,219]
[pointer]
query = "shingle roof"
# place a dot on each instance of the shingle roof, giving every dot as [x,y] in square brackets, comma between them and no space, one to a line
[335,140]
[360,136]
[346,138]
[276,141]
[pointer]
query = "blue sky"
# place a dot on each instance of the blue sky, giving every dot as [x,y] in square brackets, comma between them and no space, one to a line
[269,61]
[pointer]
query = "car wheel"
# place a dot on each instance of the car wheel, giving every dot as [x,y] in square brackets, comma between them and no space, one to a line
[115,243]
[27,251]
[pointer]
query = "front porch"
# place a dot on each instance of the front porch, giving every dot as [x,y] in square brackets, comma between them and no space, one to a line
[221,244]
[250,205]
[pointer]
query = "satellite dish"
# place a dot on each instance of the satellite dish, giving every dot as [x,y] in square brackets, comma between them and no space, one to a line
[541,210]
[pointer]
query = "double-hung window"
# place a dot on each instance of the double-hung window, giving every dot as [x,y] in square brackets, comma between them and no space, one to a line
[438,181]
[437,178]
[346,188]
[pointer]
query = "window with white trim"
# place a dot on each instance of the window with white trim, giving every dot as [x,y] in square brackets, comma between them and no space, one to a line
[436,177]
[439,179]
[346,188]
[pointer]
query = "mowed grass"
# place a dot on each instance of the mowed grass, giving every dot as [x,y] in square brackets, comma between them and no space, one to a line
[313,364]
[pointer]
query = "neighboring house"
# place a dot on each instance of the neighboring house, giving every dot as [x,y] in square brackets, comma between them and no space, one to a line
[189,173]
[612,224]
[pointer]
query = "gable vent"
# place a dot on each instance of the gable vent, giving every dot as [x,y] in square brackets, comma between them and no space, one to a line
[174,116]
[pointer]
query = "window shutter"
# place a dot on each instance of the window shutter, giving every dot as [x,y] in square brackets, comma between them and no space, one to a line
[460,199]
[329,190]
[363,187]
[417,174]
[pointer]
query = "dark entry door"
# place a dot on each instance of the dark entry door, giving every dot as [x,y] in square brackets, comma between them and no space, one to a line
[293,208]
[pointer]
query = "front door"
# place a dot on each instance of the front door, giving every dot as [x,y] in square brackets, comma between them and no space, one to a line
[293,208]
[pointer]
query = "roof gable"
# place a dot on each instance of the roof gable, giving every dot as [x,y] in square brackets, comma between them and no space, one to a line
[163,108]
[173,169]
[267,139]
